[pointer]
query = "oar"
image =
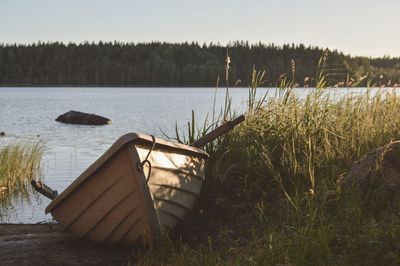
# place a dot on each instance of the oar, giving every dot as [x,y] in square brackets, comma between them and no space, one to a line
[43,189]
[219,131]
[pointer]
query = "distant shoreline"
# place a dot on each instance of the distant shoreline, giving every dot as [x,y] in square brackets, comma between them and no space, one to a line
[113,86]
[169,86]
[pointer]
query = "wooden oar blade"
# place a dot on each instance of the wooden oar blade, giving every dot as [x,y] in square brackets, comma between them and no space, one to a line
[219,131]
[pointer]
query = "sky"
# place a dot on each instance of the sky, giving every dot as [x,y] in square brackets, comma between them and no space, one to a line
[356,27]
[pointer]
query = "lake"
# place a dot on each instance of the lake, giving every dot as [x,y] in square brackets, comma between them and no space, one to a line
[29,113]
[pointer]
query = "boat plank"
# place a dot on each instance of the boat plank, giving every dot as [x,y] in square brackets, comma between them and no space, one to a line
[134,219]
[173,161]
[82,197]
[174,196]
[108,201]
[112,217]
[171,208]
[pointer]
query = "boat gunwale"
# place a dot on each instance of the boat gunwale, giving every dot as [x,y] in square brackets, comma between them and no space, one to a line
[135,138]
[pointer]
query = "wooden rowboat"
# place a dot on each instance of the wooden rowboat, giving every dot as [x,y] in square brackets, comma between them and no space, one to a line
[139,189]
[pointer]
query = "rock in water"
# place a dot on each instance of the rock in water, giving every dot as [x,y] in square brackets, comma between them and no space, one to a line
[75,117]
[379,169]
[2,134]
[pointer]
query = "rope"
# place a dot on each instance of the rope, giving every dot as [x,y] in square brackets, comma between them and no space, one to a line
[146,160]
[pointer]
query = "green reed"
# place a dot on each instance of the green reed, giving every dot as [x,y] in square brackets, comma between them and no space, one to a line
[272,192]
[19,163]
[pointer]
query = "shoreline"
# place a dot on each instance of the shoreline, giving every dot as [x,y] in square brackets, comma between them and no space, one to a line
[114,86]
[174,87]
[49,244]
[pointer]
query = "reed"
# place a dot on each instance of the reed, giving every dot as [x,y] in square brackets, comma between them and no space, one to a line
[19,163]
[272,191]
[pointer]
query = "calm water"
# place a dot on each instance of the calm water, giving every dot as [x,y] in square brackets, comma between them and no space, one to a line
[29,113]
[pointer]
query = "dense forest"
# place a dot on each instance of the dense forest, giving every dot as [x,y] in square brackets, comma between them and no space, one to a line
[184,64]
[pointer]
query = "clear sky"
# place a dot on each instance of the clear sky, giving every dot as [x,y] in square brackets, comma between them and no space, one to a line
[358,27]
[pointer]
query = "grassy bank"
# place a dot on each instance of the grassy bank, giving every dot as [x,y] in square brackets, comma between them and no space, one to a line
[19,163]
[272,192]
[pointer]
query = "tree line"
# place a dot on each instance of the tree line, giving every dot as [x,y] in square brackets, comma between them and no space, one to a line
[183,64]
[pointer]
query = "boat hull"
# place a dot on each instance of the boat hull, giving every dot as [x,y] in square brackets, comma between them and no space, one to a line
[115,201]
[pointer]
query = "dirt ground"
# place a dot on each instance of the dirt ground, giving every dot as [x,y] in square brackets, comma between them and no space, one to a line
[48,244]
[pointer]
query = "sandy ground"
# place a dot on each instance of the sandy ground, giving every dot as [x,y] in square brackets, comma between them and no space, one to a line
[48,244]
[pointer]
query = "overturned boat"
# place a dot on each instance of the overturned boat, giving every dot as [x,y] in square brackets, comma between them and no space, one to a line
[139,189]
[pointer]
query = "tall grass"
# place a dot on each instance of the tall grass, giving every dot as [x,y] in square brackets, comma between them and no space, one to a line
[272,192]
[19,163]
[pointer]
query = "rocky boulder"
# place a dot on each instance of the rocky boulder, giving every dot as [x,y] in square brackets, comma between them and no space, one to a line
[79,118]
[377,170]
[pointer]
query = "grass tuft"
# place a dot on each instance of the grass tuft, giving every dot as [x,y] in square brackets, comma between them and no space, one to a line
[19,163]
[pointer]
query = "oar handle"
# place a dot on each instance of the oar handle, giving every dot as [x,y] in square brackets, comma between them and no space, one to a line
[43,189]
[219,131]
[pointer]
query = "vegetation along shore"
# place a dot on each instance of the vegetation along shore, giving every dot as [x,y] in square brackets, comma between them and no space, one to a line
[273,194]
